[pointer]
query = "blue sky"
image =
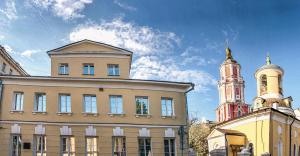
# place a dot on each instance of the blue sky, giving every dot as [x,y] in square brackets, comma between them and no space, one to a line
[171,40]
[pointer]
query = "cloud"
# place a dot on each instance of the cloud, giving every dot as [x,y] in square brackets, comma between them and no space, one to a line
[66,9]
[151,67]
[142,40]
[29,53]
[9,49]
[2,37]
[9,11]
[191,55]
[125,6]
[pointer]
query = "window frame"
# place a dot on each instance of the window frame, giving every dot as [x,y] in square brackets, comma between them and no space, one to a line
[69,152]
[116,71]
[93,153]
[169,142]
[88,65]
[65,69]
[19,144]
[60,103]
[91,104]
[144,145]
[36,102]
[123,153]
[172,107]
[15,107]
[142,110]
[116,105]
[44,144]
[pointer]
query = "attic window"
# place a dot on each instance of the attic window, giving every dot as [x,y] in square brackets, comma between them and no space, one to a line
[113,70]
[64,69]
[88,69]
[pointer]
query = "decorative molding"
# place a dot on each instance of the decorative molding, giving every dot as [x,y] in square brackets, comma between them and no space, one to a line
[118,131]
[65,130]
[90,131]
[39,129]
[169,132]
[16,129]
[144,132]
[258,117]
[279,130]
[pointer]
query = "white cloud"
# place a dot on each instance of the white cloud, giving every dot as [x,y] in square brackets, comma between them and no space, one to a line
[9,49]
[191,55]
[125,6]
[151,67]
[66,9]
[142,40]
[9,11]
[29,53]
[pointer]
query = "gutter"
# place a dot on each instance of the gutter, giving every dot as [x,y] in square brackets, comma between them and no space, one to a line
[187,114]
[290,144]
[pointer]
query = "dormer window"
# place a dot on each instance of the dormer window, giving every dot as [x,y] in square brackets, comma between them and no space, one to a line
[88,69]
[63,69]
[113,70]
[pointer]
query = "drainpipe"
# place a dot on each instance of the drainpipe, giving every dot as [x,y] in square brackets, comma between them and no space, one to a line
[291,136]
[226,145]
[187,117]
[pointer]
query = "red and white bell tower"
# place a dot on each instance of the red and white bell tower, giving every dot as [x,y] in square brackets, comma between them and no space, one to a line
[231,90]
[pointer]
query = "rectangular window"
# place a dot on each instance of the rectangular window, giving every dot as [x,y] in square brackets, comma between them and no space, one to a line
[39,145]
[10,71]
[167,106]
[67,147]
[91,146]
[237,93]
[65,103]
[90,103]
[18,101]
[40,102]
[113,70]
[3,67]
[169,146]
[119,146]
[88,69]
[116,104]
[144,146]
[142,106]
[64,69]
[16,145]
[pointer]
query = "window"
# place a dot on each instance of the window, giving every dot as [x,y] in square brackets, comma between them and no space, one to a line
[279,148]
[142,106]
[119,146]
[280,84]
[3,67]
[88,69]
[91,146]
[169,144]
[16,145]
[264,84]
[39,145]
[237,93]
[10,71]
[90,104]
[65,103]
[113,70]
[144,146]
[67,146]
[40,102]
[18,101]
[116,104]
[167,106]
[64,69]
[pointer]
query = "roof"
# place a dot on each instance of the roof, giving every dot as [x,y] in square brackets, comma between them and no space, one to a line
[89,41]
[229,132]
[12,61]
[269,66]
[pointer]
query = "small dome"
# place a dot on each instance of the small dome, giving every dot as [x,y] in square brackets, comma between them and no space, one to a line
[269,65]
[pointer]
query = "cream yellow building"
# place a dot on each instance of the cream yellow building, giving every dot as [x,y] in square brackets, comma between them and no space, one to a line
[270,129]
[90,106]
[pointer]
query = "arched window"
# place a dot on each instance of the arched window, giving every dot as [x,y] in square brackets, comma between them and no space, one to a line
[263,84]
[280,84]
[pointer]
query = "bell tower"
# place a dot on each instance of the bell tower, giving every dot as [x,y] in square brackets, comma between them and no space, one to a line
[231,90]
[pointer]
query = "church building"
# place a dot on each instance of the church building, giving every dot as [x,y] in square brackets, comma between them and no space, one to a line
[272,128]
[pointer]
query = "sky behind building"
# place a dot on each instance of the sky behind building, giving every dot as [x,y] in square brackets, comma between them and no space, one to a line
[171,40]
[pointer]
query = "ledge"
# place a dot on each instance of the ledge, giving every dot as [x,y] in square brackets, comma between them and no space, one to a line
[172,117]
[37,112]
[143,115]
[64,113]
[17,111]
[89,114]
[113,114]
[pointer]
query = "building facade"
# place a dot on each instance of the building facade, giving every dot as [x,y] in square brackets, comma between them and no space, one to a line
[271,129]
[231,90]
[90,106]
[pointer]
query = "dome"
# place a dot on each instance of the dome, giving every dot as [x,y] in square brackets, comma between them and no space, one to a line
[269,65]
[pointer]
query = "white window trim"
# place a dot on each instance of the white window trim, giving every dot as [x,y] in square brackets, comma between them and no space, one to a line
[65,67]
[116,113]
[13,106]
[172,105]
[114,69]
[36,103]
[86,147]
[84,104]
[89,65]
[59,103]
[148,106]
